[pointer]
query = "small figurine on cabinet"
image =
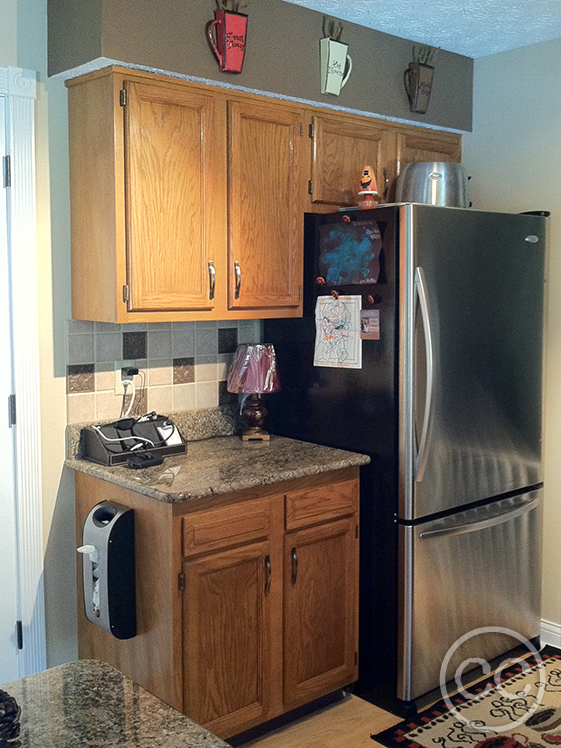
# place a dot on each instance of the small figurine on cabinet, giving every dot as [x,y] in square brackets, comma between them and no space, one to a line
[368,189]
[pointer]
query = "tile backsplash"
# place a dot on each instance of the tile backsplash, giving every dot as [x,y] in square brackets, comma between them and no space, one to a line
[183,365]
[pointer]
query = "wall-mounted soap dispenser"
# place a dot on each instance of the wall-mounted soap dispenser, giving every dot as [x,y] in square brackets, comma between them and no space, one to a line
[108,569]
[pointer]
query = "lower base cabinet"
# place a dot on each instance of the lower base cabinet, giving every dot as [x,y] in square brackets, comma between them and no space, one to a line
[262,616]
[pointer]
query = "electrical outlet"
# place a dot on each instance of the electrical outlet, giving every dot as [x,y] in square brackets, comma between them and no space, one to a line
[118,379]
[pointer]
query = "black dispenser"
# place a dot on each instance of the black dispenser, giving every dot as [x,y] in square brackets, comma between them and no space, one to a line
[108,569]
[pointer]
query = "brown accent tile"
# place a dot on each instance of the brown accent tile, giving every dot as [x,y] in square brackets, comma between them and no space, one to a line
[183,370]
[227,339]
[80,378]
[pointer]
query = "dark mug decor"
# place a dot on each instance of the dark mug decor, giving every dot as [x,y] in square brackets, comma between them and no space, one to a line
[227,36]
[418,78]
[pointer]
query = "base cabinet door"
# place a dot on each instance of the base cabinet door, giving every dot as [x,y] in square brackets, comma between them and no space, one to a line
[226,638]
[320,609]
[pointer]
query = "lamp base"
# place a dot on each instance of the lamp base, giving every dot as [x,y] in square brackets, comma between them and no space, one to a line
[255,415]
[251,435]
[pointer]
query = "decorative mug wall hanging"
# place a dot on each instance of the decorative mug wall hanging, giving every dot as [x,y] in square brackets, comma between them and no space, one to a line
[227,36]
[335,62]
[418,78]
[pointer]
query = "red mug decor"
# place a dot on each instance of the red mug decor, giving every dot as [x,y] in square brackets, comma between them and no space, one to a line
[229,44]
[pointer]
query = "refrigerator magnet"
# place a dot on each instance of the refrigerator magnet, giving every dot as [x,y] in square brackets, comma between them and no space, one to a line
[370,324]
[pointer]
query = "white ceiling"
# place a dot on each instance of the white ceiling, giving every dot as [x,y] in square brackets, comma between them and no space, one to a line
[469,27]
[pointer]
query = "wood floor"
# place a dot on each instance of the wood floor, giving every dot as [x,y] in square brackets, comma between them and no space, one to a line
[345,724]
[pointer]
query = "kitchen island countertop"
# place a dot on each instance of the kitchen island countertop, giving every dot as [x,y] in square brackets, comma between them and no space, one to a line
[89,704]
[224,465]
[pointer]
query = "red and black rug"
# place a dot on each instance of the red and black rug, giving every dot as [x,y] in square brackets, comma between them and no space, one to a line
[520,708]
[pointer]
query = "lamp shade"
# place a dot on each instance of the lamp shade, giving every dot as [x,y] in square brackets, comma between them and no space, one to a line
[254,370]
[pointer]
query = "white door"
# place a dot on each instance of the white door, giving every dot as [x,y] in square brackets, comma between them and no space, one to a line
[8,551]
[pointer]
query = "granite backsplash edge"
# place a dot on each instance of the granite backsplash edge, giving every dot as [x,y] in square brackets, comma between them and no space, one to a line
[195,425]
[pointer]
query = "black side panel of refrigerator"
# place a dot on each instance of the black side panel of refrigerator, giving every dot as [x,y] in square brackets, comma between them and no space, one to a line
[356,410]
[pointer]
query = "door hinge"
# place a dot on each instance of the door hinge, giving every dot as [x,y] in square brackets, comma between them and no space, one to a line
[123,97]
[301,129]
[181,580]
[312,131]
[11,411]
[311,187]
[19,634]
[299,292]
[7,171]
[126,293]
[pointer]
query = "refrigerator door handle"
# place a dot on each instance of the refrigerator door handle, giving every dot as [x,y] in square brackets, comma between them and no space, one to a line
[422,294]
[481,524]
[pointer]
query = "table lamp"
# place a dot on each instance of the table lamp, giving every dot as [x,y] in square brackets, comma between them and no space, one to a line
[254,372]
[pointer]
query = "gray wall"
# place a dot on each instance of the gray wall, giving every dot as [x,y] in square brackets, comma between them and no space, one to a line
[281,57]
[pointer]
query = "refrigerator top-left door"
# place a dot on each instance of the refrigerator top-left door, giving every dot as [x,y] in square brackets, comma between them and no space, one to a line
[471,306]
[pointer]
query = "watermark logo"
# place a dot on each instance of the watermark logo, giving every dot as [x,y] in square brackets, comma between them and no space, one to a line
[512,707]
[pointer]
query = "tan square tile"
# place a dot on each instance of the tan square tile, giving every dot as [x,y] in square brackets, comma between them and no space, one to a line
[183,397]
[206,395]
[80,407]
[160,400]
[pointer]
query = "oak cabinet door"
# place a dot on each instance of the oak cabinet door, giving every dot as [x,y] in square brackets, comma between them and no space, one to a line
[226,647]
[172,162]
[415,147]
[265,207]
[341,149]
[320,599]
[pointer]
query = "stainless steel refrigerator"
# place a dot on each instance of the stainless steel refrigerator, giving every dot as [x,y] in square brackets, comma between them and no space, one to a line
[448,404]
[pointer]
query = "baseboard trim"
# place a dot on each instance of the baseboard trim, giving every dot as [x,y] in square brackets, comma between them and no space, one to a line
[551,633]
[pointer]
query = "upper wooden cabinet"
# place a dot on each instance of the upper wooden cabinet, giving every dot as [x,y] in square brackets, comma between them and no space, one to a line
[186,201]
[265,210]
[342,145]
[417,145]
[172,170]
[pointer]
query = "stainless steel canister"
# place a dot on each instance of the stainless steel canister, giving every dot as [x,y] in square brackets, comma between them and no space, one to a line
[433,182]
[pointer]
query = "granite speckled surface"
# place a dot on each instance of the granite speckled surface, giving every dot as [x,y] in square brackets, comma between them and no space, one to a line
[224,465]
[89,704]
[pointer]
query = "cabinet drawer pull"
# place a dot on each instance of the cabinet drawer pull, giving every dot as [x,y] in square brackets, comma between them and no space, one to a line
[211,279]
[238,273]
[294,566]
[268,574]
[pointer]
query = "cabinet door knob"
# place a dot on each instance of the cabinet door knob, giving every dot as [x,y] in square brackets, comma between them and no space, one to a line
[238,273]
[294,566]
[211,279]
[268,574]
[386,184]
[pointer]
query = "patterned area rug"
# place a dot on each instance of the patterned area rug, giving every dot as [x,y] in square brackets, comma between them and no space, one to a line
[520,708]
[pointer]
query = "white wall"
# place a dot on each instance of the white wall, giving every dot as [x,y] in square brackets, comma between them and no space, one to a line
[514,157]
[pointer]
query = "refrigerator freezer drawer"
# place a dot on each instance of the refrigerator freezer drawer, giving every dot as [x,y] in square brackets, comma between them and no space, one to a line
[473,569]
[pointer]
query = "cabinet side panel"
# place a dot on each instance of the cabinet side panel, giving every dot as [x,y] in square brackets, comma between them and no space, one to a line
[148,658]
[93,174]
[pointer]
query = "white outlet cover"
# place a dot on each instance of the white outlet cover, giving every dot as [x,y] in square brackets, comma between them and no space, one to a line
[118,382]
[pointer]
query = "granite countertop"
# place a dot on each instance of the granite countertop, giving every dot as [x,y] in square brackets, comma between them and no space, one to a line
[223,465]
[89,704]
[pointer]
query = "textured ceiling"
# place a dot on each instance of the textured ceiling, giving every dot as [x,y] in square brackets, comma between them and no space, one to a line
[475,28]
